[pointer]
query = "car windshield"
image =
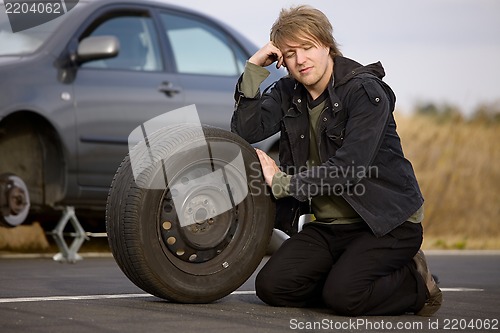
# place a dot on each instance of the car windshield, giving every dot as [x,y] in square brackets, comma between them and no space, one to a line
[26,41]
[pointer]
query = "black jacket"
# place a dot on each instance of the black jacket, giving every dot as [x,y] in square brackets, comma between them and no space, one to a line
[359,147]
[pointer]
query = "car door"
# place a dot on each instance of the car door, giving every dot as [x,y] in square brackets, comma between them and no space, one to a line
[114,96]
[208,63]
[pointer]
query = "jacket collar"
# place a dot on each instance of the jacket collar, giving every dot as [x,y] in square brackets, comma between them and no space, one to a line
[345,69]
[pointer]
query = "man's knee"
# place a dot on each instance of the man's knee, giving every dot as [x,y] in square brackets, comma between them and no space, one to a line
[266,288]
[342,301]
[283,290]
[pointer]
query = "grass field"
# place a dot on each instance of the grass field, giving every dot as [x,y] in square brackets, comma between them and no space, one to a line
[457,164]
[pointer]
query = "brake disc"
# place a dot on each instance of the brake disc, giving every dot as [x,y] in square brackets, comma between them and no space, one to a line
[14,200]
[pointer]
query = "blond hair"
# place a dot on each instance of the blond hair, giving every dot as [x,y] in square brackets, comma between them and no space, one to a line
[302,24]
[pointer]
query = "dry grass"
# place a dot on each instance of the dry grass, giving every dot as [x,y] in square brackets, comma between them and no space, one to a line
[23,238]
[457,164]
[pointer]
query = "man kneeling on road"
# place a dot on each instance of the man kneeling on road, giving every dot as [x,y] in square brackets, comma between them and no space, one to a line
[340,159]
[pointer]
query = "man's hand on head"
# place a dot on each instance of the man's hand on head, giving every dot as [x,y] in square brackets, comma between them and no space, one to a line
[268,54]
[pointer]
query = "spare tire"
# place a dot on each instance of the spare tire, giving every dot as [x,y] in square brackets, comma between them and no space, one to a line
[189,215]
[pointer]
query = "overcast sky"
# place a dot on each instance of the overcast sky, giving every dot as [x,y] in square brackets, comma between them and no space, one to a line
[441,51]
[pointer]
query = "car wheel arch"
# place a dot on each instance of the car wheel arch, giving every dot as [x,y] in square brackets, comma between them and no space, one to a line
[36,141]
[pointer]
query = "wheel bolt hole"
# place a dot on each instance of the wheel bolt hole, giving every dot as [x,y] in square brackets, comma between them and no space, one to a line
[167,208]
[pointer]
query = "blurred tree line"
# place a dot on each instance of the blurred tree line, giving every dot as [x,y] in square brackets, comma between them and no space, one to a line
[486,113]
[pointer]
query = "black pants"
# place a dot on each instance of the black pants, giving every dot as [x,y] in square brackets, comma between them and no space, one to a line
[346,268]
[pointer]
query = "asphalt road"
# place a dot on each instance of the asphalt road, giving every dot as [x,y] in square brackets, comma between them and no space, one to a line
[93,295]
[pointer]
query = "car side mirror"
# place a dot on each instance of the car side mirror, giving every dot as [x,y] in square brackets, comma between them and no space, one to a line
[97,48]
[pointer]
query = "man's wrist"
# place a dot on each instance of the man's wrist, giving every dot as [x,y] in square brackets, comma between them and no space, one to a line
[253,76]
[281,185]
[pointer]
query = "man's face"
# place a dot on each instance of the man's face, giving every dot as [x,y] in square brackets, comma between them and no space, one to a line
[309,63]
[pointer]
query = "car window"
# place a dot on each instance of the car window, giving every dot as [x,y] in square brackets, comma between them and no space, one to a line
[199,48]
[139,49]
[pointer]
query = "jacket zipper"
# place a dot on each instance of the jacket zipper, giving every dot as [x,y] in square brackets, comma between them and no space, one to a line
[318,142]
[318,133]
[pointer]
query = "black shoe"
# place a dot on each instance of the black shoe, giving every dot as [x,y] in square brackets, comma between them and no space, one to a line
[434,294]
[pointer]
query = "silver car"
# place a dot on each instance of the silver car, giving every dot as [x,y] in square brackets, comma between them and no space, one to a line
[72,90]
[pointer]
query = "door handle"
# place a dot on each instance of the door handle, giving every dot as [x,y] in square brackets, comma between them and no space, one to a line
[169,89]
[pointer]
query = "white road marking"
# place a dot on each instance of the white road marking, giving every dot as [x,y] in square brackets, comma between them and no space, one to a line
[98,297]
[69,298]
[243,292]
[461,289]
